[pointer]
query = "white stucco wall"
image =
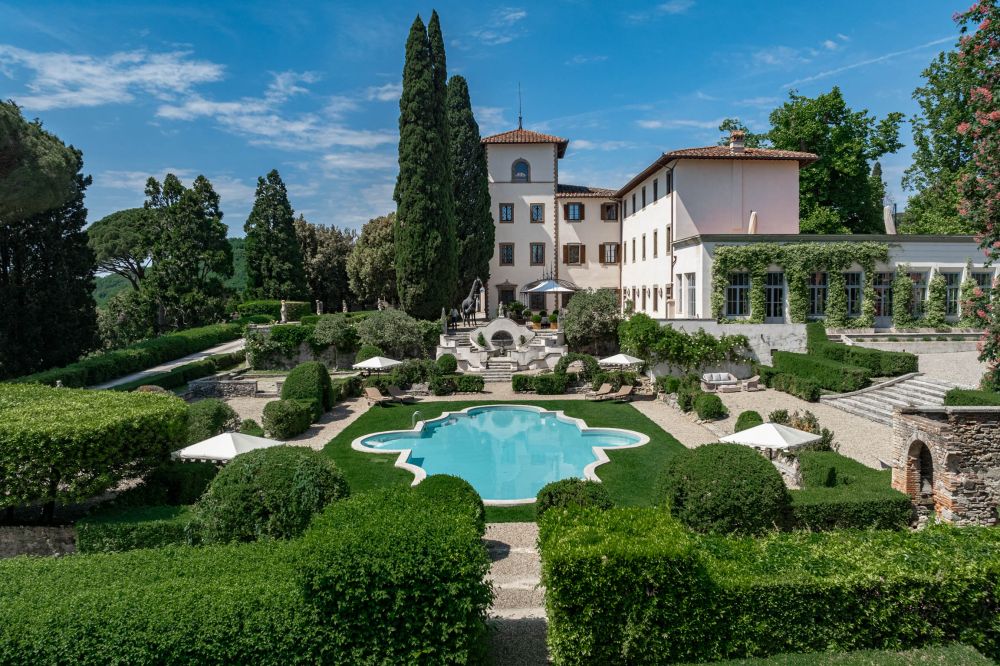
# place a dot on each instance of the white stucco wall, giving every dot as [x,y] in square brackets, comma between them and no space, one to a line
[592,231]
[651,272]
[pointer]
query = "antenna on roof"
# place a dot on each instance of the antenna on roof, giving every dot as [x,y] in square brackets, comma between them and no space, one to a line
[519,118]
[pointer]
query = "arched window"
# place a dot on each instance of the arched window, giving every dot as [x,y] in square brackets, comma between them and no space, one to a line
[520,172]
[926,470]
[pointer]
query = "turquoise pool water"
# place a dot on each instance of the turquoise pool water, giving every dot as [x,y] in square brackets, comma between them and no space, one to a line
[505,452]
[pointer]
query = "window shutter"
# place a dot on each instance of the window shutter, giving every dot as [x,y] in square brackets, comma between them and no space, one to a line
[583,253]
[601,254]
[604,212]
[617,254]
[565,211]
[565,254]
[582,209]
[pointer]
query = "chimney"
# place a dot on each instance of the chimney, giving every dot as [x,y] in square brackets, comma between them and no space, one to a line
[736,140]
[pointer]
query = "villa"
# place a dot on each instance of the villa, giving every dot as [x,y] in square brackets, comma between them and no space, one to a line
[655,240]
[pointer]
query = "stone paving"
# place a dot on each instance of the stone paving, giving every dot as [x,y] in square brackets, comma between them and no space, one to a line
[517,617]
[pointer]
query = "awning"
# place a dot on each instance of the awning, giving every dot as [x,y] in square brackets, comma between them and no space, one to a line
[376,363]
[621,359]
[772,436]
[551,286]
[224,447]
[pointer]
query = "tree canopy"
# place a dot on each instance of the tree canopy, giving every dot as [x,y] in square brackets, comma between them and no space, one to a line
[274,258]
[122,242]
[324,257]
[371,266]
[590,320]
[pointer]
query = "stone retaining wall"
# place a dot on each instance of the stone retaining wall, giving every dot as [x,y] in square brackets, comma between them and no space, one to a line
[20,540]
[222,388]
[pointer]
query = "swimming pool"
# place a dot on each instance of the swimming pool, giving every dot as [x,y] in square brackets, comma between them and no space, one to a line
[507,452]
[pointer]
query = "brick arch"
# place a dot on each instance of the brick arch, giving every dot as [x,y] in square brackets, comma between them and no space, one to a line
[921,471]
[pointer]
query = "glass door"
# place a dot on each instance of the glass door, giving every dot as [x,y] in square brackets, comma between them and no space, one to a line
[774,298]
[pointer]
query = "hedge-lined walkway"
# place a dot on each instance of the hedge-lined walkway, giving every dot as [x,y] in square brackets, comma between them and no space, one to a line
[224,348]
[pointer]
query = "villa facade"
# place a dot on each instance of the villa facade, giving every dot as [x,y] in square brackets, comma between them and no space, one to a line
[654,240]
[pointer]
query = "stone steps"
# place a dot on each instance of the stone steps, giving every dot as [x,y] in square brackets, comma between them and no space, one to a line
[877,403]
[497,371]
[517,616]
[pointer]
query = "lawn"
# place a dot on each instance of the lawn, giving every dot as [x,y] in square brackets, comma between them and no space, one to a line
[630,476]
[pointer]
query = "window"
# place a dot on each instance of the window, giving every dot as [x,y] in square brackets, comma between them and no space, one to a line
[538,254]
[625,253]
[573,212]
[633,204]
[852,289]
[669,249]
[984,281]
[625,211]
[609,212]
[954,281]
[574,254]
[656,301]
[538,212]
[634,255]
[680,293]
[609,253]
[883,294]
[520,172]
[643,196]
[506,295]
[774,296]
[656,189]
[655,232]
[692,310]
[644,247]
[536,301]
[644,298]
[817,295]
[506,254]
[565,299]
[919,280]
[507,212]
[738,295]
[670,183]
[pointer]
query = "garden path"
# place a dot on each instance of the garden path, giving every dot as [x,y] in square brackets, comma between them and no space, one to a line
[320,433]
[517,617]
[677,423]
[224,348]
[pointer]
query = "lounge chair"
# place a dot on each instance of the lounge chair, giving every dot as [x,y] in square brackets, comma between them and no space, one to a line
[375,397]
[401,397]
[600,393]
[624,394]
[752,384]
[715,381]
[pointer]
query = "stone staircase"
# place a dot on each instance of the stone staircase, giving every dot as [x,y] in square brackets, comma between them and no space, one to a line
[517,616]
[876,403]
[498,370]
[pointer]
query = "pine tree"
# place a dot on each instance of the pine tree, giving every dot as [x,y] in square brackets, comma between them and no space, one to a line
[426,260]
[473,221]
[274,258]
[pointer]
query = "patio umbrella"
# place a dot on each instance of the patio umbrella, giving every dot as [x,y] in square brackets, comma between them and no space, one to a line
[376,363]
[549,287]
[772,437]
[224,447]
[620,360]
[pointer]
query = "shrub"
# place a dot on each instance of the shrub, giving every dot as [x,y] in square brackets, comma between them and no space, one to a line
[549,383]
[348,387]
[251,427]
[617,379]
[67,445]
[180,376]
[337,331]
[709,407]
[958,397]
[129,528]
[173,483]
[470,384]
[399,334]
[536,319]
[272,308]
[800,387]
[521,383]
[808,422]
[879,363]
[210,417]
[103,367]
[311,319]
[667,596]
[572,493]
[724,488]
[447,364]
[285,419]
[747,420]
[440,385]
[591,367]
[366,352]
[766,373]
[831,375]
[668,384]
[270,493]
[309,381]
[452,491]
[686,396]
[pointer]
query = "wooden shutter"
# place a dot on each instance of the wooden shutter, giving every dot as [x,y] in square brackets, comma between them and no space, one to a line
[582,209]
[583,251]
[618,253]
[565,211]
[565,254]
[602,256]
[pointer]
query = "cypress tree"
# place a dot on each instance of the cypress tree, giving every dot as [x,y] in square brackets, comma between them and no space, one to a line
[274,258]
[474,223]
[426,260]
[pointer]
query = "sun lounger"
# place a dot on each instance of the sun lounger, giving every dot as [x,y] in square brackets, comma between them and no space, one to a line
[401,397]
[375,397]
[624,394]
[600,393]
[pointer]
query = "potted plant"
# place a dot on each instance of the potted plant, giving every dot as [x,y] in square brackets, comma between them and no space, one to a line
[517,310]
[545,317]
[536,321]
[554,320]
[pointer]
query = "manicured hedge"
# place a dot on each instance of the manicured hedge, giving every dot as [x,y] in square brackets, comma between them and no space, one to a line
[549,383]
[106,366]
[840,493]
[210,417]
[614,377]
[666,595]
[879,363]
[129,528]
[831,375]
[748,419]
[447,364]
[67,445]
[958,397]
[448,384]
[668,384]
[470,384]
[952,655]
[295,309]
[342,389]
[522,383]
[285,419]
[572,493]
[440,385]
[174,483]
[310,381]
[454,492]
[709,407]
[800,387]
[181,375]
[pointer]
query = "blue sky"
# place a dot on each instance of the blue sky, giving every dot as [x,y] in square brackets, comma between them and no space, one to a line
[234,89]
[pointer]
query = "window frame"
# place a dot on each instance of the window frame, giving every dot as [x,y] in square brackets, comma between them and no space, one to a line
[609,248]
[569,254]
[656,238]
[531,213]
[854,292]
[644,197]
[500,254]
[644,247]
[500,214]
[818,294]
[952,295]
[531,254]
[919,282]
[569,211]
[613,208]
[513,171]
[882,284]
[738,295]
[656,190]
[692,294]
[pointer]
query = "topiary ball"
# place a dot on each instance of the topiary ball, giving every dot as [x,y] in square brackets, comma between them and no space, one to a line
[748,419]
[709,407]
[268,493]
[573,492]
[366,352]
[454,492]
[210,417]
[724,488]
[447,364]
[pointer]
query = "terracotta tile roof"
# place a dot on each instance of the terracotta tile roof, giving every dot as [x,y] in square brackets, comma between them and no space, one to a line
[578,191]
[527,136]
[718,153]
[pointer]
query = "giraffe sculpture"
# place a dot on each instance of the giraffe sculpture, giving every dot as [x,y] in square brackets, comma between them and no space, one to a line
[469,305]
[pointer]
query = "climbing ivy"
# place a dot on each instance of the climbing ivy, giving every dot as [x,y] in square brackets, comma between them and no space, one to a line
[936,302]
[972,300]
[902,298]
[799,260]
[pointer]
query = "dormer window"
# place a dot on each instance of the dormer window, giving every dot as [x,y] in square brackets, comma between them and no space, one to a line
[520,172]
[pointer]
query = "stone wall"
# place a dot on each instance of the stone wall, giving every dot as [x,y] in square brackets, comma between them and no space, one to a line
[763,338]
[20,540]
[222,388]
[947,459]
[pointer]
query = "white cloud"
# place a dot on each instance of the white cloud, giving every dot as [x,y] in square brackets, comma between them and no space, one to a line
[389,92]
[779,56]
[675,6]
[762,101]
[678,123]
[705,97]
[66,80]
[842,37]
[869,61]
[830,45]
[490,118]
[236,195]
[500,28]
[585,144]
[354,161]
[510,15]
[586,60]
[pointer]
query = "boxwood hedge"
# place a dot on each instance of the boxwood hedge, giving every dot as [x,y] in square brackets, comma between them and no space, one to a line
[797,385]
[285,419]
[952,655]
[66,445]
[181,375]
[879,363]
[831,375]
[666,595]
[958,397]
[106,366]
[128,528]
[310,381]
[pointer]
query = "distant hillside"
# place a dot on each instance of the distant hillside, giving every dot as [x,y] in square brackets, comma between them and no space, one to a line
[107,286]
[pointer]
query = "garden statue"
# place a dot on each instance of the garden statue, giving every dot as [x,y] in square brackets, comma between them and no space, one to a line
[469,305]
[319,307]
[343,306]
[284,312]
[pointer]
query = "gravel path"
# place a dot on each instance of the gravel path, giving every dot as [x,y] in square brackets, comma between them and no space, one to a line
[320,433]
[224,348]
[677,423]
[962,368]
[517,617]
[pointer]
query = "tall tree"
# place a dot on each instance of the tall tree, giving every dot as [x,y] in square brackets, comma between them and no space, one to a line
[190,253]
[426,259]
[324,256]
[37,170]
[942,155]
[121,243]
[836,191]
[47,312]
[750,139]
[274,259]
[473,221]
[371,266]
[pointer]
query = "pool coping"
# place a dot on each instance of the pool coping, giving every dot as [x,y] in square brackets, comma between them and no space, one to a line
[419,473]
